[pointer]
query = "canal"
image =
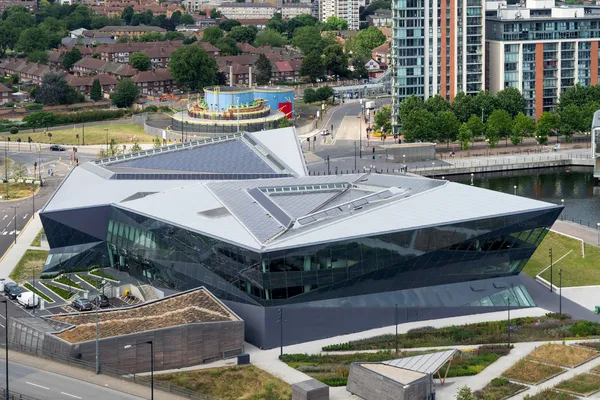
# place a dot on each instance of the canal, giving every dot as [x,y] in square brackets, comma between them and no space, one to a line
[573,184]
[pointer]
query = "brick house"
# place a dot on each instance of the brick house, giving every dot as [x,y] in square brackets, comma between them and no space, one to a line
[84,83]
[27,71]
[382,53]
[155,83]
[93,66]
[6,94]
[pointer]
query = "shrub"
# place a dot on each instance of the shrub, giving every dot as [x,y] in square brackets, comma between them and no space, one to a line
[34,107]
[151,108]
[499,382]
[14,130]
[558,316]
[585,328]
[424,329]
[9,104]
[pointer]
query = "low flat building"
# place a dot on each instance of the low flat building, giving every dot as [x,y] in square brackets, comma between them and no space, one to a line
[247,10]
[83,84]
[291,10]
[380,18]
[91,66]
[130,31]
[155,83]
[6,94]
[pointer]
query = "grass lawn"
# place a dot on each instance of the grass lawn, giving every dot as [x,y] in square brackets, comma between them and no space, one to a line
[577,271]
[231,383]
[122,133]
[333,369]
[531,372]
[549,394]
[582,384]
[31,262]
[63,293]
[18,190]
[498,389]
[558,354]
[103,274]
[36,291]
[65,280]
[37,242]
[97,283]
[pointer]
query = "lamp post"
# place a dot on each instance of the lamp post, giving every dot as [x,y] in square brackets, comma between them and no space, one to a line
[508,329]
[550,254]
[560,291]
[280,321]
[33,281]
[5,301]
[106,133]
[355,155]
[598,225]
[396,323]
[515,190]
[472,176]
[97,343]
[15,209]
[151,343]
[83,134]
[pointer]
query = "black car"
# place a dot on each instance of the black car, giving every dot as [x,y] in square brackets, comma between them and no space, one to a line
[82,305]
[56,147]
[12,290]
[101,301]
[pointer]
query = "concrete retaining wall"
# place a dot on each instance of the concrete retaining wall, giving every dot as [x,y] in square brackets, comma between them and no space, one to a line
[499,167]
[370,385]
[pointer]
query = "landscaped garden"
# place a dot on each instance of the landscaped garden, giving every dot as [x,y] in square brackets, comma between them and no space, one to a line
[583,384]
[577,270]
[30,287]
[65,280]
[231,383]
[37,242]
[122,133]
[18,190]
[561,355]
[96,283]
[65,294]
[550,394]
[498,389]
[29,265]
[333,369]
[531,372]
[102,274]
[530,329]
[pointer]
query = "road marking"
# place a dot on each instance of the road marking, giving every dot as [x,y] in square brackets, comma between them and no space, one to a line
[5,233]
[40,386]
[70,395]
[6,216]
[12,233]
[18,232]
[25,216]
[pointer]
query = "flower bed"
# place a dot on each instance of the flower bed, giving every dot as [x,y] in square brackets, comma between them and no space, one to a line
[583,384]
[550,394]
[498,389]
[559,354]
[95,283]
[60,292]
[531,372]
[103,274]
[64,280]
[30,287]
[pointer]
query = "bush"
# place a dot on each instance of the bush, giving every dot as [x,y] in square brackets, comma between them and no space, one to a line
[151,108]
[14,130]
[558,316]
[500,382]
[9,104]
[585,328]
[34,107]
[424,329]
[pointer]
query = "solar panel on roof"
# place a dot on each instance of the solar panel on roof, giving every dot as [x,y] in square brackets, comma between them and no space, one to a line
[306,220]
[359,202]
[386,194]
[271,207]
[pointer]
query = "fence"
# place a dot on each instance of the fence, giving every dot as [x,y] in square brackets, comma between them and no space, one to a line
[12,395]
[580,221]
[144,380]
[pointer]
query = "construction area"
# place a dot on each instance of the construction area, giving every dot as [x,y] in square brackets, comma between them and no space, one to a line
[185,329]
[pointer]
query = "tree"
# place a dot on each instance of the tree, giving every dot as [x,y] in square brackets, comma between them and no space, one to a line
[312,67]
[484,104]
[127,14]
[174,35]
[14,79]
[498,126]
[284,123]
[523,126]
[243,34]
[465,393]
[32,39]
[40,119]
[228,24]
[300,21]
[53,90]
[410,105]
[548,123]
[70,58]
[228,46]
[264,69]
[136,148]
[176,17]
[150,37]
[324,93]
[187,19]
[511,101]
[417,126]
[125,93]
[212,34]
[437,104]
[276,24]
[571,121]
[96,91]
[191,67]
[465,136]
[156,142]
[336,60]
[383,119]
[140,61]
[335,24]
[19,171]
[9,35]
[476,126]
[38,56]
[366,40]
[310,96]
[307,39]
[463,107]
[21,17]
[360,70]
[577,95]
[215,14]
[446,126]
[270,37]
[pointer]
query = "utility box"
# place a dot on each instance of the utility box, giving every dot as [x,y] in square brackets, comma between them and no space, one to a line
[311,389]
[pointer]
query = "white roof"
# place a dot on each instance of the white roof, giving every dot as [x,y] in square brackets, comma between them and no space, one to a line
[425,363]
[285,144]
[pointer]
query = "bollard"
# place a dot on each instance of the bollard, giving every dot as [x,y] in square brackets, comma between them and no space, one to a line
[42,304]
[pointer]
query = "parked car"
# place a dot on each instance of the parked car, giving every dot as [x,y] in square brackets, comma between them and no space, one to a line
[56,147]
[82,305]
[101,301]
[12,290]
[2,282]
[28,300]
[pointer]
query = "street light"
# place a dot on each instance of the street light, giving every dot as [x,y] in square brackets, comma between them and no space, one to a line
[508,328]
[151,343]
[515,189]
[355,155]
[472,176]
[5,301]
[598,225]
[15,208]
[396,322]
[550,254]
[106,133]
[560,291]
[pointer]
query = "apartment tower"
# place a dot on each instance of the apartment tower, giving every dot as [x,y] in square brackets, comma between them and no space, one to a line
[345,9]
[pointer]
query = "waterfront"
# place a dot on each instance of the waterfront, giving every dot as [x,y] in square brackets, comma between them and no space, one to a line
[573,184]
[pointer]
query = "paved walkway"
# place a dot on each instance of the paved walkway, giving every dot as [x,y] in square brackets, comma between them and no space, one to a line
[16,251]
[588,235]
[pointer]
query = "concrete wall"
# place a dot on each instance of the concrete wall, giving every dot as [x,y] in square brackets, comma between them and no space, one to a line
[401,153]
[372,386]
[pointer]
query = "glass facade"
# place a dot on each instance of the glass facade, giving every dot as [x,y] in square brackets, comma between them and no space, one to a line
[174,258]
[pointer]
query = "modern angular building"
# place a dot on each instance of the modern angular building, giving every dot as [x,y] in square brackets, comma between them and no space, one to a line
[241,216]
[541,49]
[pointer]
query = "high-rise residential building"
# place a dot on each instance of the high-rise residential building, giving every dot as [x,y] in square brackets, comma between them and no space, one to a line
[541,50]
[345,9]
[438,48]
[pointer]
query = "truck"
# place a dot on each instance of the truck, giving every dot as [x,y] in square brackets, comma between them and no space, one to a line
[369,105]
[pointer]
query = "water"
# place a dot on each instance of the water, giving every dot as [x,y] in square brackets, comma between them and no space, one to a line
[573,184]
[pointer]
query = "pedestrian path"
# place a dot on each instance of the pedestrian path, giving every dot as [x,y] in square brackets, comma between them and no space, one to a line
[588,235]
[16,251]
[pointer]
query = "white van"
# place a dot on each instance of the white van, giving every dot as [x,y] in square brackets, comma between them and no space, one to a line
[28,299]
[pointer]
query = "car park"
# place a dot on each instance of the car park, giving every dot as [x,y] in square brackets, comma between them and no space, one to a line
[56,147]
[28,300]
[101,301]
[12,290]
[82,305]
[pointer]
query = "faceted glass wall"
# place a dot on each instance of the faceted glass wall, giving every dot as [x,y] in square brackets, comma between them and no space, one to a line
[174,258]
